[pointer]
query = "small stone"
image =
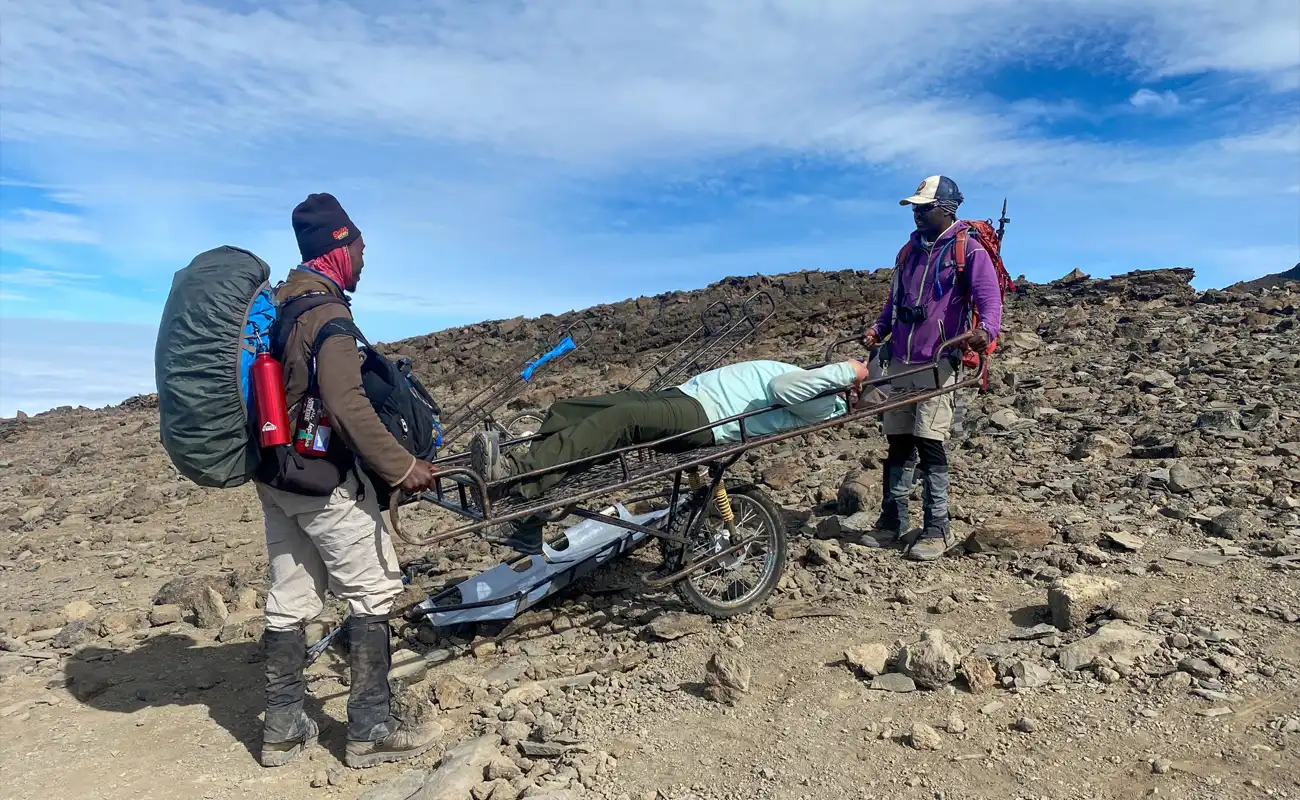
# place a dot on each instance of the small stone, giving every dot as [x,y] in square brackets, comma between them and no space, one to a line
[320,779]
[932,662]
[978,673]
[989,709]
[945,605]
[1029,675]
[1108,675]
[78,609]
[1125,541]
[1160,766]
[1198,668]
[1074,599]
[869,659]
[1026,724]
[1009,533]
[1116,641]
[674,626]
[210,610]
[923,737]
[165,615]
[1228,664]
[726,678]
[1183,478]
[1175,681]
[514,732]
[955,724]
[893,682]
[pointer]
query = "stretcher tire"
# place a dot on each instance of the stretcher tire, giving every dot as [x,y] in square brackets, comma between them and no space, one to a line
[755,514]
[524,423]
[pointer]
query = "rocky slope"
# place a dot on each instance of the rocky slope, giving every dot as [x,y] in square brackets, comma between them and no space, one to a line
[1122,620]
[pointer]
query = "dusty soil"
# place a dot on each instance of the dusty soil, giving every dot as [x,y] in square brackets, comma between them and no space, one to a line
[1137,459]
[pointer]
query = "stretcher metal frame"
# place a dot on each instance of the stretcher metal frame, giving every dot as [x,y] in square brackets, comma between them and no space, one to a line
[620,475]
[634,465]
[481,406]
[711,342]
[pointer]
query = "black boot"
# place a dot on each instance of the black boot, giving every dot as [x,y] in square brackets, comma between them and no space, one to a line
[286,729]
[374,735]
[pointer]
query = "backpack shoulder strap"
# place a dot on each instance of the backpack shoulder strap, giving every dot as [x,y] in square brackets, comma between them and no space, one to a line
[338,327]
[290,311]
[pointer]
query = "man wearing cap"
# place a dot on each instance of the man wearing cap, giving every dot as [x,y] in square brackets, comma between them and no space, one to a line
[927,305]
[336,542]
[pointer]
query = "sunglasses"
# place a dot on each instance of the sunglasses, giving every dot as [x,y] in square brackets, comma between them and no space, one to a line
[923,209]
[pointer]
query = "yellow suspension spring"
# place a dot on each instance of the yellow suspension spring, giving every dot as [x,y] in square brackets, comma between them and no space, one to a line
[693,479]
[723,502]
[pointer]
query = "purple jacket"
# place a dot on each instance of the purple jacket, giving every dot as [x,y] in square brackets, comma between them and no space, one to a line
[929,279]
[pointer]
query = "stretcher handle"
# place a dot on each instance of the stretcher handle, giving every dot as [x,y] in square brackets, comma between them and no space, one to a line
[579,330]
[751,314]
[399,498]
[709,329]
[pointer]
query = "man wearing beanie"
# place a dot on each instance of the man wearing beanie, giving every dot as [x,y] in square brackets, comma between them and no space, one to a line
[338,541]
[927,305]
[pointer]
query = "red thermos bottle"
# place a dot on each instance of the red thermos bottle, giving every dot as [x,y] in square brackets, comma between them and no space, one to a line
[268,394]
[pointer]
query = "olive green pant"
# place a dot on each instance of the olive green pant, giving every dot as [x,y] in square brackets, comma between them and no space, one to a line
[588,426]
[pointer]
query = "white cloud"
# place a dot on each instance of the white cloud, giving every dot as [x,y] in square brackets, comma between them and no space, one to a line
[44,278]
[35,225]
[45,364]
[1156,102]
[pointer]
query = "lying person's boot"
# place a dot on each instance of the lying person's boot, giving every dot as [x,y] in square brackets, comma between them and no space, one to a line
[485,459]
[374,735]
[286,729]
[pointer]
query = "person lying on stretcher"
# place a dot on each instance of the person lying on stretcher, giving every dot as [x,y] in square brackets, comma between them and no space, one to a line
[582,427]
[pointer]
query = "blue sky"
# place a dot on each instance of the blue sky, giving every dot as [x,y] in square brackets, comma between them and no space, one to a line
[508,158]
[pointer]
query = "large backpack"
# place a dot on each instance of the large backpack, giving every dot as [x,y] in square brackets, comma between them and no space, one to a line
[217,316]
[400,401]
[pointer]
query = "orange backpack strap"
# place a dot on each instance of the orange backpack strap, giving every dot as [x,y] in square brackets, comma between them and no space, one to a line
[901,258]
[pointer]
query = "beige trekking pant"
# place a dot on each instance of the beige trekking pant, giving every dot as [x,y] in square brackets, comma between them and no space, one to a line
[336,543]
[928,419]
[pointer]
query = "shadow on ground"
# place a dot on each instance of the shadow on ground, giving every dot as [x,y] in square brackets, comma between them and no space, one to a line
[171,670]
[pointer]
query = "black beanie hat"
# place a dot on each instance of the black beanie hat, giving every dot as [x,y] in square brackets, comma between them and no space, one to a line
[321,225]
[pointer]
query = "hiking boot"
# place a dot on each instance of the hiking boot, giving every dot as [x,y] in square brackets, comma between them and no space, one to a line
[932,544]
[399,741]
[286,729]
[374,735]
[485,455]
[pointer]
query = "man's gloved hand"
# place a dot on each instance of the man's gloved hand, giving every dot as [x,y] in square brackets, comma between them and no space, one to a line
[979,339]
[420,478]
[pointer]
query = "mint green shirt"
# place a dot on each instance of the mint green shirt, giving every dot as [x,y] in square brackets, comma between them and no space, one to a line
[751,385]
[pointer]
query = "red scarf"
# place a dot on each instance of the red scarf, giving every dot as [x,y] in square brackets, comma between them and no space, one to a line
[335,265]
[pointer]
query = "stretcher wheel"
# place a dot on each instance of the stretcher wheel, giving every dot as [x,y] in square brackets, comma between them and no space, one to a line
[525,423]
[740,583]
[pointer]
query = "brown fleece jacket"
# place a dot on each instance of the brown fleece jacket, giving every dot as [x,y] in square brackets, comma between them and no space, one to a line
[338,375]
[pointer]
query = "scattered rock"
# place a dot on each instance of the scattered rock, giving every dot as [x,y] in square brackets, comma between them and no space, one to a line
[726,678]
[955,724]
[923,737]
[1116,641]
[165,615]
[1026,724]
[1183,478]
[1074,599]
[1029,675]
[1009,533]
[460,770]
[210,610]
[893,682]
[868,659]
[932,662]
[978,673]
[674,626]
